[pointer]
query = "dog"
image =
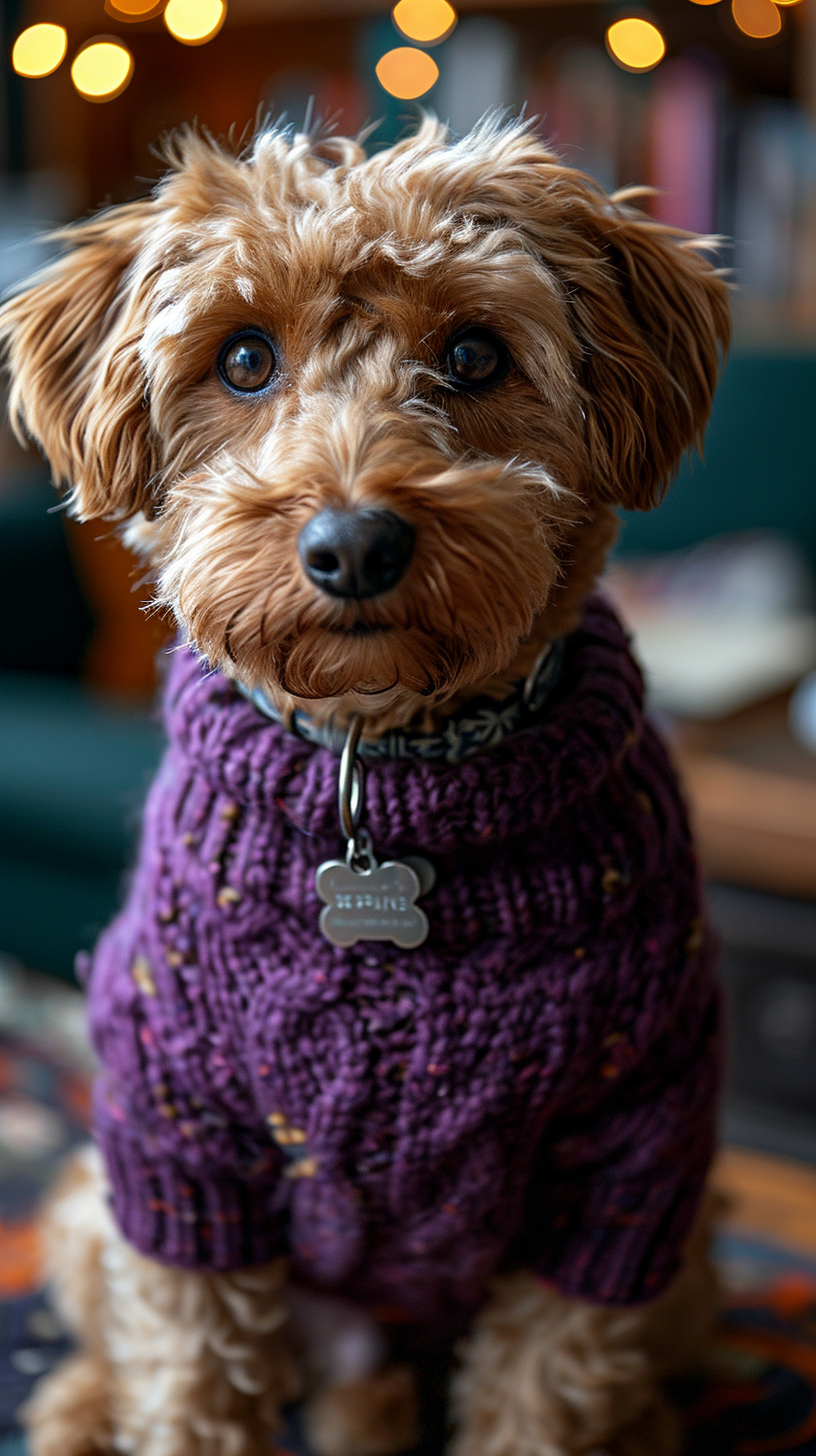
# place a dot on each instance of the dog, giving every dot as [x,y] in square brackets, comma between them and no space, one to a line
[368,420]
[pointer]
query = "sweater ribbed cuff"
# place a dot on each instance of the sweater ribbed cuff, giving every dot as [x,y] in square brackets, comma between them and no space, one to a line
[624,1245]
[189,1222]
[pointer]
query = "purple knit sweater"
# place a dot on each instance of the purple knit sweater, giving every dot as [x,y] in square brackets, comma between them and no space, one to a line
[533,1086]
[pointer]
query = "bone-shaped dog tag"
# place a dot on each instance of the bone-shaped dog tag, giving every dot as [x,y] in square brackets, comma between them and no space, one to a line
[372,904]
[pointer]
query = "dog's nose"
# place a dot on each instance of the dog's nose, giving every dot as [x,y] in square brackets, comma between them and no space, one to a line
[356,553]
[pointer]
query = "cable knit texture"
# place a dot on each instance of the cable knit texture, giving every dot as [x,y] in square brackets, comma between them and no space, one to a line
[533,1086]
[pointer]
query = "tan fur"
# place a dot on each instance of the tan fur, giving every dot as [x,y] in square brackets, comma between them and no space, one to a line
[175,1363]
[360,270]
[376,1415]
[543,1375]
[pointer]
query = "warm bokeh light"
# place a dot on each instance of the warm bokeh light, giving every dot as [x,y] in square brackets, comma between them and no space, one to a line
[424,20]
[757,18]
[131,9]
[406,73]
[39,50]
[709,2]
[636,44]
[194,22]
[102,69]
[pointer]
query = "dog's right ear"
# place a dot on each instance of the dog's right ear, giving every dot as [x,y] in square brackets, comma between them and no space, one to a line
[71,343]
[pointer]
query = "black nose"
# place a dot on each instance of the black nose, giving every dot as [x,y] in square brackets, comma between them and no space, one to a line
[355,553]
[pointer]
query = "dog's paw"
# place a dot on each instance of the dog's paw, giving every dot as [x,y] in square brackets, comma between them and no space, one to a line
[376,1415]
[69,1412]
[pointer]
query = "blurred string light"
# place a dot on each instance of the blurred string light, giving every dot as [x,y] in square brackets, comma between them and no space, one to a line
[39,49]
[194,22]
[132,9]
[637,44]
[757,18]
[405,72]
[427,21]
[102,69]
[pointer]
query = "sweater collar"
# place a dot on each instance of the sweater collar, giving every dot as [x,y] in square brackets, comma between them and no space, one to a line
[482,724]
[518,787]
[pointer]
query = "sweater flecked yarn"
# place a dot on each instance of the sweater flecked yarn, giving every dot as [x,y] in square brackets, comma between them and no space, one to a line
[534,1086]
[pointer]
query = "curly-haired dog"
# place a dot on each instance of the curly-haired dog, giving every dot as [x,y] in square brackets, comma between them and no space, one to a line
[369,419]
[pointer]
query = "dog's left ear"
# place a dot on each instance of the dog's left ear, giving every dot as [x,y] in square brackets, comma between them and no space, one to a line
[647,309]
[651,316]
[71,342]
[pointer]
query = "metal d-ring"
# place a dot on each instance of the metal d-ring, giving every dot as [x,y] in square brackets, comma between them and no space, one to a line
[351,783]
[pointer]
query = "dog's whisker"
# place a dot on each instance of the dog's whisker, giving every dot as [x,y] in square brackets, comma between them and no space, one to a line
[228,633]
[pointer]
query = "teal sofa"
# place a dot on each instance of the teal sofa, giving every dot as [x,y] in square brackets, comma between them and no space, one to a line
[760,461]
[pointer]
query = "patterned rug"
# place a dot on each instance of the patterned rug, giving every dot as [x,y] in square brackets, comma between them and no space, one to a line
[756,1396]
[758,1393]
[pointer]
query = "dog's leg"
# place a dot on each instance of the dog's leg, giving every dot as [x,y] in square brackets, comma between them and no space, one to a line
[69,1413]
[200,1362]
[174,1363]
[373,1415]
[547,1376]
[359,1405]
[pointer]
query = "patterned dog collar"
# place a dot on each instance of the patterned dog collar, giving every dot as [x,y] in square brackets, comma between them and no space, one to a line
[482,723]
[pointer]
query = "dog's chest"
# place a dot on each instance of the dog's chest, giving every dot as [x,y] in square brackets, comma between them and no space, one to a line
[371,1063]
[388,1071]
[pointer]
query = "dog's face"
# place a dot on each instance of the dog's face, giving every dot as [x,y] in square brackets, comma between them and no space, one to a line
[362,413]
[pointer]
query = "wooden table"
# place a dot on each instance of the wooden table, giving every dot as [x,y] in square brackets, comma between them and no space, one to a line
[752,793]
[768,1197]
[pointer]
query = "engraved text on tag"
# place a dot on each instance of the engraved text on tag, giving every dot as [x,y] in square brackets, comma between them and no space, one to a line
[372,904]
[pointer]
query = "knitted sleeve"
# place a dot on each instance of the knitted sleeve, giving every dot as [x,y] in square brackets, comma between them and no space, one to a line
[194,1180]
[617,1189]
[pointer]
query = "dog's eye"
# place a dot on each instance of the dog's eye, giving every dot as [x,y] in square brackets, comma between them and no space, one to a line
[247,362]
[475,357]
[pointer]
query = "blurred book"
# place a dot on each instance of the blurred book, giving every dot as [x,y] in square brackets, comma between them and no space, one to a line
[774,221]
[684,143]
[480,72]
